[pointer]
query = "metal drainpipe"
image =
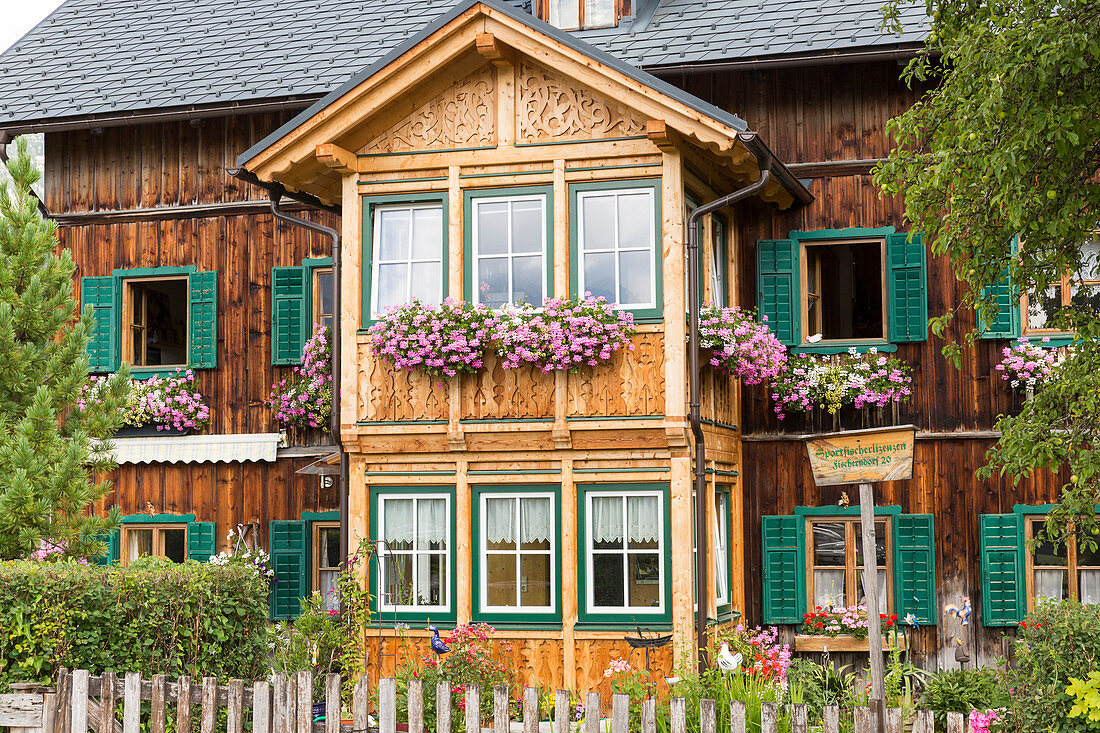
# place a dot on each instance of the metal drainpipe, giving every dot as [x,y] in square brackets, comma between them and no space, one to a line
[276,193]
[701,571]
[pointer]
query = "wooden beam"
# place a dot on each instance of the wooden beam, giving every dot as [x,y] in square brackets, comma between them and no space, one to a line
[334,156]
[657,132]
[487,46]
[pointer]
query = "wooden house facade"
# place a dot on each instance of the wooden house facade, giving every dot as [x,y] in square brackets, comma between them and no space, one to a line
[489,112]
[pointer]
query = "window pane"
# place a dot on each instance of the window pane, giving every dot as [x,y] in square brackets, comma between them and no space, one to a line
[326,579]
[1085,296]
[394,237]
[431,579]
[397,516]
[500,580]
[527,280]
[1087,557]
[880,544]
[606,523]
[392,283]
[599,275]
[431,524]
[607,580]
[599,13]
[427,243]
[635,221]
[643,522]
[1046,553]
[829,544]
[175,544]
[328,544]
[527,226]
[829,589]
[425,282]
[534,581]
[140,543]
[1051,584]
[565,13]
[1041,307]
[882,604]
[397,580]
[599,223]
[1090,253]
[536,521]
[644,580]
[500,523]
[1089,582]
[492,222]
[493,281]
[635,277]
[322,288]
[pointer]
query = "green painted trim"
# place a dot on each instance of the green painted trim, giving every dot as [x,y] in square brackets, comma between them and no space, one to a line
[657,312]
[140,373]
[525,472]
[411,473]
[718,424]
[583,614]
[585,168]
[448,616]
[423,152]
[392,423]
[552,618]
[499,175]
[593,418]
[402,180]
[861,347]
[624,469]
[157,519]
[580,142]
[153,271]
[648,624]
[718,472]
[839,511]
[849,233]
[366,266]
[492,420]
[1053,342]
[329,516]
[547,193]
[1039,508]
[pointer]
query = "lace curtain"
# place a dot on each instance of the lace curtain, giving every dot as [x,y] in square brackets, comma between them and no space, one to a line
[535,520]
[643,518]
[429,525]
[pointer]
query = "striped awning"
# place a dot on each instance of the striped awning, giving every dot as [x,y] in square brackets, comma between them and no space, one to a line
[240,448]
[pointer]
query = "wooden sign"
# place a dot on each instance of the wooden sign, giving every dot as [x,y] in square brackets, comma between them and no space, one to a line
[862,456]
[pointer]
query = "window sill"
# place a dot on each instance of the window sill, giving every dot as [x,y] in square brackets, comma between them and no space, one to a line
[1049,340]
[821,643]
[861,347]
[162,372]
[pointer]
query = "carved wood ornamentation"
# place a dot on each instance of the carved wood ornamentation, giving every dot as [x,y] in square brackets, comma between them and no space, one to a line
[464,115]
[387,394]
[552,108]
[499,393]
[632,383]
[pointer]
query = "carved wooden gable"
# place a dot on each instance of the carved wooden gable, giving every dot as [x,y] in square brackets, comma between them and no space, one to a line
[463,115]
[551,107]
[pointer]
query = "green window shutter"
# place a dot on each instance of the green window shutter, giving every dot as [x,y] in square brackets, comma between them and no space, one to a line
[201,541]
[288,314]
[906,278]
[202,322]
[915,567]
[101,294]
[784,569]
[1002,541]
[113,553]
[1005,323]
[777,278]
[288,560]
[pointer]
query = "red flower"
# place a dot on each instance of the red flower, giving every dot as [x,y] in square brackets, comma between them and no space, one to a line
[818,625]
[893,617]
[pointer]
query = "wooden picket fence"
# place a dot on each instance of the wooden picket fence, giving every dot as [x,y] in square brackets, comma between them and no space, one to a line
[79,702]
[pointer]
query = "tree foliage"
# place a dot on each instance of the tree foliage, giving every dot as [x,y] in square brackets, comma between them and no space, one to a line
[1004,147]
[48,450]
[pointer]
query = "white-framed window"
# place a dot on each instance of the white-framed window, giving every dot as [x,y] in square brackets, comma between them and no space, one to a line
[718,262]
[616,241]
[407,255]
[721,548]
[415,554]
[578,14]
[509,249]
[518,550]
[625,552]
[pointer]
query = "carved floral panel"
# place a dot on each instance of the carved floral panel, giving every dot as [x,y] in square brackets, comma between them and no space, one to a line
[551,108]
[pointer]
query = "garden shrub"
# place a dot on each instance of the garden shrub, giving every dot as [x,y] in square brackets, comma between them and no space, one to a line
[152,617]
[1059,640]
[963,690]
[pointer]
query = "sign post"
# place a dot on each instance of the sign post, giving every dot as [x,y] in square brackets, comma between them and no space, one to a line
[864,456]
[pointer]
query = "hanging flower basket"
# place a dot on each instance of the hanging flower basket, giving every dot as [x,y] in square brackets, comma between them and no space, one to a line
[304,400]
[740,345]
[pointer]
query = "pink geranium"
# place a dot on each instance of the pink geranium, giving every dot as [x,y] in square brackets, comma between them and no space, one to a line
[741,345]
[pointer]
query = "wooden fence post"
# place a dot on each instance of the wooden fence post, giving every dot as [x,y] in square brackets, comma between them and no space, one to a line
[893,720]
[209,704]
[592,713]
[678,715]
[530,710]
[473,709]
[387,705]
[649,715]
[261,707]
[738,722]
[183,702]
[333,706]
[158,713]
[305,702]
[831,719]
[799,724]
[131,704]
[769,717]
[80,701]
[501,715]
[862,718]
[415,693]
[563,712]
[925,722]
[234,707]
[360,705]
[291,691]
[443,707]
[955,723]
[620,713]
[708,717]
[278,703]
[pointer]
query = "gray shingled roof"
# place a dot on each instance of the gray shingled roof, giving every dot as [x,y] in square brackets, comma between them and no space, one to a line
[95,57]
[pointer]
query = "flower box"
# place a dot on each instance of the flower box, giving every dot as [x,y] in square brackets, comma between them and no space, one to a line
[832,644]
[149,430]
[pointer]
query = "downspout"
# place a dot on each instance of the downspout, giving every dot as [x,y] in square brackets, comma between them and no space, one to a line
[701,569]
[276,192]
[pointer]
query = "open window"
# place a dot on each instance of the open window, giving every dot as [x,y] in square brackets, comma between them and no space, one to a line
[843,290]
[168,541]
[156,321]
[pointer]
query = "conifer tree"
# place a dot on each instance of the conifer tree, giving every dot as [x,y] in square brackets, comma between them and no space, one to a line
[50,452]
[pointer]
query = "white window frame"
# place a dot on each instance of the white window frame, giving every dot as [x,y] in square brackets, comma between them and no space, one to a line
[582,196]
[384,552]
[483,591]
[376,248]
[508,254]
[718,247]
[625,552]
